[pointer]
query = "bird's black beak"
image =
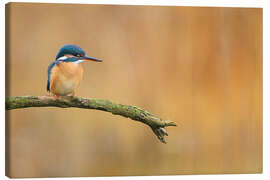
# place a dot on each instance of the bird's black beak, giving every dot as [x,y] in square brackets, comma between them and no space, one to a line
[87,58]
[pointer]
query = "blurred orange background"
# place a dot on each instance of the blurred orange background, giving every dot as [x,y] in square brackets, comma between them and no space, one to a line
[200,67]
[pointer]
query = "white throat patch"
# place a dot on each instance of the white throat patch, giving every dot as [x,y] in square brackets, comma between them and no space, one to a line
[62,58]
[65,57]
[79,61]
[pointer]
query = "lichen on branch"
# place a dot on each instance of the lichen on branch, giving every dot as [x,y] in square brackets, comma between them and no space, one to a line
[132,112]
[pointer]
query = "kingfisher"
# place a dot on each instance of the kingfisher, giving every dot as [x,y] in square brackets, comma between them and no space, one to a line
[65,72]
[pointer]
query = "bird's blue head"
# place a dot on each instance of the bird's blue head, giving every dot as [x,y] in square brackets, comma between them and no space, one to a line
[73,53]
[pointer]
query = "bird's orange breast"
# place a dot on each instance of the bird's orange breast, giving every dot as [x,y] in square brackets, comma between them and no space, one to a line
[65,78]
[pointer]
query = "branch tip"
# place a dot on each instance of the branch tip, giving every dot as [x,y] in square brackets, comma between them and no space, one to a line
[170,123]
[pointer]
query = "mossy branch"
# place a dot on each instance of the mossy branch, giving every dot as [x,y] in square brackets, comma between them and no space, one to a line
[132,112]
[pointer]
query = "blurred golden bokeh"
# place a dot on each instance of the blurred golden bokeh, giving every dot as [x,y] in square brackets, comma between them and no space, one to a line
[200,67]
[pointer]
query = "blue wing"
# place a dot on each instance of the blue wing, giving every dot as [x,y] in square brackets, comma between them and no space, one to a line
[49,73]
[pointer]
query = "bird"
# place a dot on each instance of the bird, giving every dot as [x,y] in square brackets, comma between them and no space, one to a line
[65,72]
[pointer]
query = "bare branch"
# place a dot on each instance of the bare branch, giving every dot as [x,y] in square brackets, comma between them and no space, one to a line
[132,112]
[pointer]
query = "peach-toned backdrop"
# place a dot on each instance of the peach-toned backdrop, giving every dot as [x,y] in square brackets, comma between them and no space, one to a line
[200,67]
